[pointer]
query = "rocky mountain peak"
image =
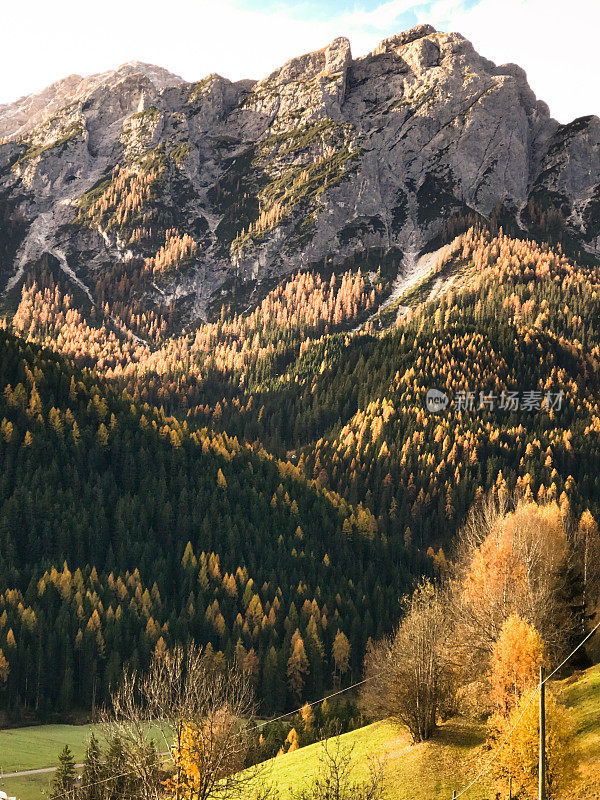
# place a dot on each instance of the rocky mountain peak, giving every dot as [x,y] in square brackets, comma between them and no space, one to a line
[159,77]
[330,159]
[22,116]
[393,43]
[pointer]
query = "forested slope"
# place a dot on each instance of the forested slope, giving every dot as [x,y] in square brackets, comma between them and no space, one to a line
[354,407]
[122,530]
[297,458]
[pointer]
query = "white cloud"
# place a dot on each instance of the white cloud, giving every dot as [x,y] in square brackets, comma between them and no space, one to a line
[553,42]
[381,18]
[190,37]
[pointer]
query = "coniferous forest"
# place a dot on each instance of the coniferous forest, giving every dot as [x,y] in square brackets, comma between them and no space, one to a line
[124,530]
[272,482]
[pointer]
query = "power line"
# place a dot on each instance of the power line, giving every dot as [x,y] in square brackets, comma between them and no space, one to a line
[315,702]
[532,697]
[260,726]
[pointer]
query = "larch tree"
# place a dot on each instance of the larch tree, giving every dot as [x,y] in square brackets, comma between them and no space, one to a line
[297,665]
[519,757]
[4,667]
[588,551]
[511,562]
[515,662]
[341,655]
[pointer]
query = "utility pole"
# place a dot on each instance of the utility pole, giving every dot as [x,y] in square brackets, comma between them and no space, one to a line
[510,788]
[542,767]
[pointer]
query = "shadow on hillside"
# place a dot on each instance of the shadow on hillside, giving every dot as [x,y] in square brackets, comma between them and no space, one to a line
[459,733]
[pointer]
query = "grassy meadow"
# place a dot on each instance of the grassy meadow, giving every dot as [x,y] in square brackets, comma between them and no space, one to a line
[412,772]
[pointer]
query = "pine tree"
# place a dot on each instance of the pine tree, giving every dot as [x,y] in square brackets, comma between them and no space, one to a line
[65,776]
[93,772]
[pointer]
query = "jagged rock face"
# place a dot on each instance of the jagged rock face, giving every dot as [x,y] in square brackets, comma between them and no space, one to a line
[22,116]
[327,159]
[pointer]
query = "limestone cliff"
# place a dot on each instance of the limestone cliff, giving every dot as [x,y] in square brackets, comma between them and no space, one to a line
[194,191]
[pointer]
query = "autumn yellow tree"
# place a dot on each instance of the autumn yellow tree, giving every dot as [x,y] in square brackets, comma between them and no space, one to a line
[519,757]
[308,719]
[206,758]
[297,666]
[221,480]
[291,743]
[511,562]
[205,709]
[4,668]
[341,655]
[588,550]
[515,662]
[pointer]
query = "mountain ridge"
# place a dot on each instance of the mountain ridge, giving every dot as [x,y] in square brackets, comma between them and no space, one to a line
[20,116]
[329,160]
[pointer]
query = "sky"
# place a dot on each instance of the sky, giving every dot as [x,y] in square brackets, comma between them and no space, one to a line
[555,41]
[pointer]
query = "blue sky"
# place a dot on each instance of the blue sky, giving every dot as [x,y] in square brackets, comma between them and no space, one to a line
[329,9]
[555,41]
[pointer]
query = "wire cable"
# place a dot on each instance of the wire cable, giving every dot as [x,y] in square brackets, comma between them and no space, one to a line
[260,726]
[532,697]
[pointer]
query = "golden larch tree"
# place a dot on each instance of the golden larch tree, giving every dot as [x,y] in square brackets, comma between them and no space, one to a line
[515,662]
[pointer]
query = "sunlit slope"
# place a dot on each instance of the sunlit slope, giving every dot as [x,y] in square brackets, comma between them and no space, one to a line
[455,755]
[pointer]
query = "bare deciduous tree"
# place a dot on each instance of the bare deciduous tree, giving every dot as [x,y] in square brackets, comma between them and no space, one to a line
[334,780]
[127,728]
[410,675]
[200,715]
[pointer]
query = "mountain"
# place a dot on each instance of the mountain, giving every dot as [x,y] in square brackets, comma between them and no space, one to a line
[202,193]
[224,305]
[120,526]
[21,117]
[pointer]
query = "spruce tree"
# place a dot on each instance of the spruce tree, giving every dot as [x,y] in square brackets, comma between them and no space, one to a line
[63,784]
[93,773]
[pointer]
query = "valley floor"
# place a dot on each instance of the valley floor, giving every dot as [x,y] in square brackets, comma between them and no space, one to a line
[412,772]
[37,747]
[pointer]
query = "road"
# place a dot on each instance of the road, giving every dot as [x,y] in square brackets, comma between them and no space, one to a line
[27,772]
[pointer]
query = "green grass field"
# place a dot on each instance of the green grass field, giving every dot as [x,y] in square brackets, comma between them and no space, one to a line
[411,772]
[35,747]
[428,771]
[581,694]
[433,770]
[30,748]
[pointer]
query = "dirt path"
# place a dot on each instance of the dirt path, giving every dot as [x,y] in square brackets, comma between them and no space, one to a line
[27,772]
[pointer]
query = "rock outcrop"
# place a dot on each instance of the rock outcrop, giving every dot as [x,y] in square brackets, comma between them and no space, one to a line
[329,159]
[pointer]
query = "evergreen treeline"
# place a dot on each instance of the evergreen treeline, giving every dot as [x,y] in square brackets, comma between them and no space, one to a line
[122,530]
